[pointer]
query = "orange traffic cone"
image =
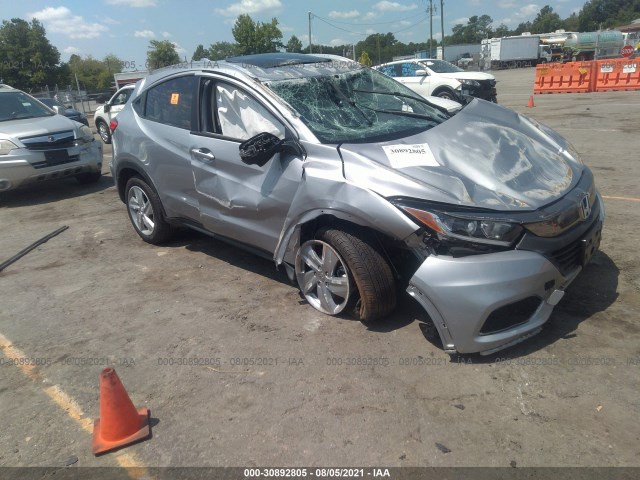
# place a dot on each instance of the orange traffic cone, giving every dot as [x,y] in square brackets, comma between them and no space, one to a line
[120,423]
[530,104]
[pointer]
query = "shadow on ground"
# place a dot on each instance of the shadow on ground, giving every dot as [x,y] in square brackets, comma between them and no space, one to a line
[52,191]
[593,291]
[229,253]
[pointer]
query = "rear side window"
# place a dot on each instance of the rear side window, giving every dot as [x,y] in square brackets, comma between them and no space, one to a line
[409,69]
[171,102]
[389,70]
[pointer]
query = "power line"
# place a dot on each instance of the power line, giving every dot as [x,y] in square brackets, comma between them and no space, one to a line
[367,34]
[367,24]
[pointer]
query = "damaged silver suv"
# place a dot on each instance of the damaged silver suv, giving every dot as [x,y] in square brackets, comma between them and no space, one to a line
[359,187]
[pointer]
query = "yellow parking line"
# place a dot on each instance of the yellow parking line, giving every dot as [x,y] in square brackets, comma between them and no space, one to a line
[629,199]
[70,406]
[19,359]
[128,461]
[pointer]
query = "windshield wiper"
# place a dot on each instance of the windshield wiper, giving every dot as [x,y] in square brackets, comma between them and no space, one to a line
[401,113]
[343,98]
[404,95]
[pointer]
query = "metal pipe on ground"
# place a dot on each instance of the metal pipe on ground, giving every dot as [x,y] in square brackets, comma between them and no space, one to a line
[33,246]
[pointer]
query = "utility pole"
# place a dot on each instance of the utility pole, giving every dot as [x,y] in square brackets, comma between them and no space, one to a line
[442,26]
[310,45]
[430,10]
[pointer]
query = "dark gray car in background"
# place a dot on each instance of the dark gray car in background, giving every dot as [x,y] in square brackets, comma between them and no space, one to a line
[67,111]
[360,187]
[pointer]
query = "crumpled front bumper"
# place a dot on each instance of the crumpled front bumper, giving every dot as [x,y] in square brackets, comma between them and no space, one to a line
[460,294]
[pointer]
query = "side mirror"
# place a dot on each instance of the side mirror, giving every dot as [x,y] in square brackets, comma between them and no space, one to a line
[261,148]
[56,108]
[107,107]
[421,73]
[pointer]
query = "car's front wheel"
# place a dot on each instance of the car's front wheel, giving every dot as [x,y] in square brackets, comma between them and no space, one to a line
[447,94]
[341,271]
[145,212]
[103,131]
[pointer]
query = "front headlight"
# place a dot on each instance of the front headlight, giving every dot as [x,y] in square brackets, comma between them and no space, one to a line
[468,228]
[469,83]
[86,136]
[6,146]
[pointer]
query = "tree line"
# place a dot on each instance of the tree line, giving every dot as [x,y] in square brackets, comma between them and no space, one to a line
[28,60]
[256,37]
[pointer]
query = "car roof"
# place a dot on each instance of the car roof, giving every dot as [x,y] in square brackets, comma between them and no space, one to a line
[272,60]
[263,66]
[411,60]
[8,88]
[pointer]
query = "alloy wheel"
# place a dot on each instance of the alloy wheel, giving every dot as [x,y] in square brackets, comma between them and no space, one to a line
[141,211]
[323,277]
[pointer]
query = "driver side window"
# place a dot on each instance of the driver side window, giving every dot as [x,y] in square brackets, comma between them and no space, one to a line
[240,116]
[122,98]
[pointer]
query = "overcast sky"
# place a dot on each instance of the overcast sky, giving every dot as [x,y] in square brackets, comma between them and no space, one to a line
[124,27]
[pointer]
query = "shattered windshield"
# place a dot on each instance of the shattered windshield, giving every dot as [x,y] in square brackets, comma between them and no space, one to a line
[357,106]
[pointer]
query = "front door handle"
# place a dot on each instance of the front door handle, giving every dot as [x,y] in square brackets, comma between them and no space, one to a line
[203,154]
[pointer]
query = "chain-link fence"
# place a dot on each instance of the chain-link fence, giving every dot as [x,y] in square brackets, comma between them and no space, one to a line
[75,98]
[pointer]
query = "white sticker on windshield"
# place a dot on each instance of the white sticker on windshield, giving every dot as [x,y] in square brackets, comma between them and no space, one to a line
[26,104]
[404,156]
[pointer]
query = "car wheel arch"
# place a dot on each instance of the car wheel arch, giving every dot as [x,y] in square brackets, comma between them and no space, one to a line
[445,89]
[125,171]
[310,223]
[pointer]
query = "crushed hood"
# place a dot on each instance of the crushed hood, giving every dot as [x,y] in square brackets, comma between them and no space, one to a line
[485,156]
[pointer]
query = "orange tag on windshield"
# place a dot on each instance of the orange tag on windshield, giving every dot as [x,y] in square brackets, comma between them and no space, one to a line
[175,98]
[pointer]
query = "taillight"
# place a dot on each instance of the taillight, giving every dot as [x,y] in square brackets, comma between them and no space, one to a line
[113,125]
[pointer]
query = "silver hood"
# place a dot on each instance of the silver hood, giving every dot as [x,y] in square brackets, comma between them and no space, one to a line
[485,156]
[30,127]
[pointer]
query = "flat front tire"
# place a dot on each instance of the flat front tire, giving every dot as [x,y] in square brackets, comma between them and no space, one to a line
[341,271]
[145,212]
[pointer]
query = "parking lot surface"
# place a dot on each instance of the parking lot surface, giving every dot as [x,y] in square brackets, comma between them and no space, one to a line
[238,370]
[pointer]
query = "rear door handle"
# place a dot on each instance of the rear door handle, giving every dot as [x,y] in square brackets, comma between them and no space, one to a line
[203,154]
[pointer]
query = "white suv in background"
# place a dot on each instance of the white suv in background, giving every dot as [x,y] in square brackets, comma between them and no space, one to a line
[431,77]
[105,113]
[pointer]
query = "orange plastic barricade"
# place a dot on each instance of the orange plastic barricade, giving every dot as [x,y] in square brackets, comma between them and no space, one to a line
[573,77]
[617,74]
